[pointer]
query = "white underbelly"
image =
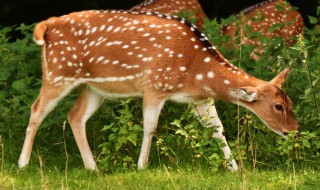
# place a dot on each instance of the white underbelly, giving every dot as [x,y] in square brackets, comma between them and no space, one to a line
[113,96]
[177,97]
[180,98]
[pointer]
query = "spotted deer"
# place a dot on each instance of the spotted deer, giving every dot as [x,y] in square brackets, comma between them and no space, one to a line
[119,54]
[173,7]
[287,23]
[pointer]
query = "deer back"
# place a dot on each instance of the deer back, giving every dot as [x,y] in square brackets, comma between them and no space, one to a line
[174,7]
[271,18]
[138,51]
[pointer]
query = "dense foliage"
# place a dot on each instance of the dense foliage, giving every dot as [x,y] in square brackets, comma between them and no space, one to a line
[115,131]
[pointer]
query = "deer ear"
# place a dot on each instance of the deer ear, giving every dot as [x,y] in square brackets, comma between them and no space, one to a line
[281,77]
[248,94]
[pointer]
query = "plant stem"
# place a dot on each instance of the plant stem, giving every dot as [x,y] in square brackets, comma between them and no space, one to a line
[2,154]
[67,157]
[312,87]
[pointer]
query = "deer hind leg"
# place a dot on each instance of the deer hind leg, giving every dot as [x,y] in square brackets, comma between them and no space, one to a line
[208,109]
[152,106]
[86,104]
[47,100]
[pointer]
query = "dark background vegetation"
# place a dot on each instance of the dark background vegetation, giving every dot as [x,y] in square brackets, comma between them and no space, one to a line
[13,12]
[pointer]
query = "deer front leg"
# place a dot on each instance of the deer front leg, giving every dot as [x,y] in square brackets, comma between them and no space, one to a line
[86,104]
[152,106]
[210,110]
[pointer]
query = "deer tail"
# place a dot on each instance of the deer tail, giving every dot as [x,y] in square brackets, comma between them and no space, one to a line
[39,32]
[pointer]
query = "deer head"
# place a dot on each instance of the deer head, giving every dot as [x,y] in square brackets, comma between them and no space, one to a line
[269,103]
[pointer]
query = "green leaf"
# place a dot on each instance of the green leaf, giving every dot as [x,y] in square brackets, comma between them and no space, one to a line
[312,19]
[2,96]
[214,156]
[307,91]
[123,131]
[107,127]
[182,132]
[120,142]
[136,128]
[176,122]
[306,143]
[118,145]
[279,7]
[19,85]
[275,26]
[5,73]
[133,139]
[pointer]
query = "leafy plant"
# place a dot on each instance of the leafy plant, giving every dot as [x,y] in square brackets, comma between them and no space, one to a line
[121,137]
[188,15]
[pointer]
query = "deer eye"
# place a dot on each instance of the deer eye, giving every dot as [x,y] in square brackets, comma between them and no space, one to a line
[279,107]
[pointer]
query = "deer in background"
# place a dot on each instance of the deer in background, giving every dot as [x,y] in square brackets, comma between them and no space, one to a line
[260,18]
[159,57]
[174,7]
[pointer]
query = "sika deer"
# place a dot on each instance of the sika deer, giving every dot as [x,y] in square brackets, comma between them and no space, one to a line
[261,17]
[174,7]
[118,54]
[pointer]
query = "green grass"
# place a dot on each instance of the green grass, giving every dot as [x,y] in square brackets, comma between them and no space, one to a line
[162,177]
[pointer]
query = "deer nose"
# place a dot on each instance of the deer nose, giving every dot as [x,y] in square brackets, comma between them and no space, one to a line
[297,135]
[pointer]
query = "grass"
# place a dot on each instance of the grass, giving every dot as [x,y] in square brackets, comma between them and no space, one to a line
[162,177]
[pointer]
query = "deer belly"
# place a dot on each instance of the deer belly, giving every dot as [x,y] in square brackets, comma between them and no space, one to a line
[181,98]
[115,91]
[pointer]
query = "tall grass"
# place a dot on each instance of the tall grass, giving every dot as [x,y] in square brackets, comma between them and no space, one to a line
[162,177]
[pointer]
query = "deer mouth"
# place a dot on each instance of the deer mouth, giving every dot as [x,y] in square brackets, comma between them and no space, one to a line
[283,134]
